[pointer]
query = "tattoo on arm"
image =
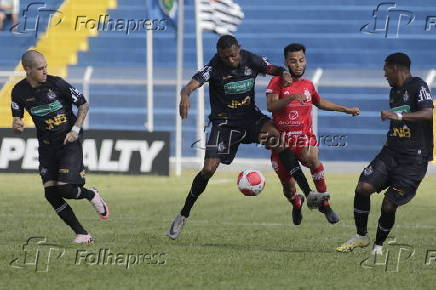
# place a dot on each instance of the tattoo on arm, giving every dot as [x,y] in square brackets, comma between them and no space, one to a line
[81,115]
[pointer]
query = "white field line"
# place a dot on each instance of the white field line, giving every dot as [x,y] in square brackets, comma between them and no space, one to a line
[223,180]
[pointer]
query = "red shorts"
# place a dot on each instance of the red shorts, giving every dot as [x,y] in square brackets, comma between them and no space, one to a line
[297,145]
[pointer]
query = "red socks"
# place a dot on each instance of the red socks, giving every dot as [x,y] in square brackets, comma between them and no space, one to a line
[318,178]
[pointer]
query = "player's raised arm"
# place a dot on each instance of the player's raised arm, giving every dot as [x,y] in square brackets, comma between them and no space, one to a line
[274,70]
[274,102]
[327,105]
[184,94]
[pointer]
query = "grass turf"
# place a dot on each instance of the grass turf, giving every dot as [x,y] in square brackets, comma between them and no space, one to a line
[230,241]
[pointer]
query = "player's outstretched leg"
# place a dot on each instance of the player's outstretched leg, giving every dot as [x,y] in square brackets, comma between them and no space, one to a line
[385,224]
[362,204]
[65,212]
[71,191]
[198,186]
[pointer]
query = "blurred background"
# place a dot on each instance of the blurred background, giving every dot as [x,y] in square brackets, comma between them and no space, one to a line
[97,48]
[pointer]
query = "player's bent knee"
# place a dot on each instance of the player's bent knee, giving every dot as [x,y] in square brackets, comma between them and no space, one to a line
[67,191]
[49,183]
[209,168]
[388,206]
[364,189]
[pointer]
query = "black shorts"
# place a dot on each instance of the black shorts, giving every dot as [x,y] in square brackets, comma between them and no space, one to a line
[400,174]
[62,163]
[225,136]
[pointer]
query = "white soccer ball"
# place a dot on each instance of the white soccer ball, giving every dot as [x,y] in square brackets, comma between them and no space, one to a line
[251,182]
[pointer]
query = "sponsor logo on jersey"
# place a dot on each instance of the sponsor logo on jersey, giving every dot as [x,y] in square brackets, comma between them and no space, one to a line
[42,110]
[244,102]
[293,115]
[56,121]
[401,132]
[239,87]
[401,109]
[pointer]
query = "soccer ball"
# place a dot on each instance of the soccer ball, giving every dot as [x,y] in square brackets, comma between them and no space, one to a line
[251,182]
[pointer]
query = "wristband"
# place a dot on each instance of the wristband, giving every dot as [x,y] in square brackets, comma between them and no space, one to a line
[399,115]
[75,129]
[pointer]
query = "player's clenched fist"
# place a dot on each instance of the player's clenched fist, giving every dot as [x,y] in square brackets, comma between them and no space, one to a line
[18,125]
[286,79]
[387,115]
[355,111]
[71,137]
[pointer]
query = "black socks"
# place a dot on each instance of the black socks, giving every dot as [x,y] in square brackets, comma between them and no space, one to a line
[64,211]
[362,206]
[291,165]
[70,191]
[198,186]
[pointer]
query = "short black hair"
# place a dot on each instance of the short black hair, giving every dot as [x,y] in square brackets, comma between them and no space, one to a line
[226,41]
[29,56]
[293,47]
[399,59]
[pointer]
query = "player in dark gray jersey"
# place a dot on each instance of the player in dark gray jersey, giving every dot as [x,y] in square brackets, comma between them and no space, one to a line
[402,163]
[236,119]
[49,101]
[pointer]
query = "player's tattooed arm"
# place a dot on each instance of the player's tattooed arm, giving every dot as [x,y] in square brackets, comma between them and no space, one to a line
[425,114]
[274,103]
[81,115]
[274,70]
[17,125]
[184,97]
[327,105]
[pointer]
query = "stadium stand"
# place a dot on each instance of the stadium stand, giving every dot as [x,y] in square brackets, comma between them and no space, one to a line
[352,63]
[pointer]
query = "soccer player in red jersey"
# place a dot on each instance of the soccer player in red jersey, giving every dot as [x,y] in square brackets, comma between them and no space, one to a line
[291,108]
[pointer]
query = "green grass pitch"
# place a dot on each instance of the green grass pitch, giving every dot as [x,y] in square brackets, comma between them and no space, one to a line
[229,242]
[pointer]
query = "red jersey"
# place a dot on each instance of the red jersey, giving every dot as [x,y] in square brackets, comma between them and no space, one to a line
[296,117]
